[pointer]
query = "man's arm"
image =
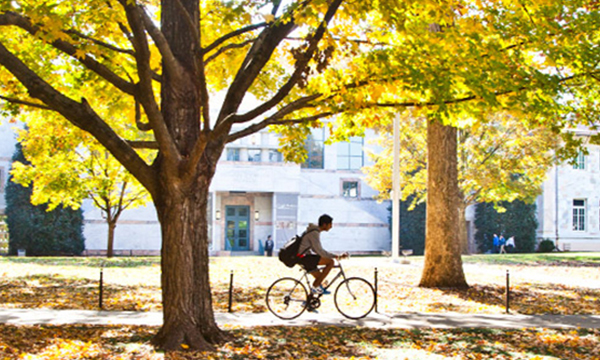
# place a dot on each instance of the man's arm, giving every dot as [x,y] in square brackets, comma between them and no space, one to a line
[315,244]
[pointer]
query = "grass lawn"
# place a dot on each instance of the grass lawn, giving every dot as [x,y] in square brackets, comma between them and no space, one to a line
[559,283]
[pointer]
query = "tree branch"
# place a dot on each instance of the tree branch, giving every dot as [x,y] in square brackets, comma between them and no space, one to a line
[300,67]
[145,92]
[12,18]
[228,47]
[26,103]
[231,35]
[99,43]
[270,121]
[80,115]
[171,64]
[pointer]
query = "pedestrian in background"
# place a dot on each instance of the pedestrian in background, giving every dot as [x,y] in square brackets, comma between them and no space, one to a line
[269,246]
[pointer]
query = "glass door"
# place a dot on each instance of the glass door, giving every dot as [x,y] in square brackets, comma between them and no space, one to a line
[237,228]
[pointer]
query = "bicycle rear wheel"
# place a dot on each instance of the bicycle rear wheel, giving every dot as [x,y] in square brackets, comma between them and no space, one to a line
[354,298]
[287,298]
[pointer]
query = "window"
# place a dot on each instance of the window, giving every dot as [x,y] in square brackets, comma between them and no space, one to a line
[350,189]
[275,156]
[233,154]
[254,155]
[578,215]
[314,147]
[350,154]
[579,161]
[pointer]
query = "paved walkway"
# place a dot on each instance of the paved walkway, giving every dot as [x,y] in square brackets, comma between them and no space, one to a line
[374,320]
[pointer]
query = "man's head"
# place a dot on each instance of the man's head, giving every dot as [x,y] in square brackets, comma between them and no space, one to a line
[325,222]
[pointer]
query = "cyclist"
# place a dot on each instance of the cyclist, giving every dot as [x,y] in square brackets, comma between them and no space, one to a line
[312,254]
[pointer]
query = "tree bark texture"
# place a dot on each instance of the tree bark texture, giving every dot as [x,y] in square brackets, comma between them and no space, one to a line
[182,199]
[187,302]
[443,263]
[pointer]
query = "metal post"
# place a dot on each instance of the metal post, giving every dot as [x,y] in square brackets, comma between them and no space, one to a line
[100,287]
[396,191]
[507,292]
[376,295]
[230,290]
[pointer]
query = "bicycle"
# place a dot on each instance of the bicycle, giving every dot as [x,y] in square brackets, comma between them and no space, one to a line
[287,298]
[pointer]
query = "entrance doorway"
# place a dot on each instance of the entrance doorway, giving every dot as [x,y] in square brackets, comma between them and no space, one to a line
[237,228]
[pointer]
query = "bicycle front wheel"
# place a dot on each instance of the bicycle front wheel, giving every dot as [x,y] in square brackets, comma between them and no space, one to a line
[287,298]
[354,298]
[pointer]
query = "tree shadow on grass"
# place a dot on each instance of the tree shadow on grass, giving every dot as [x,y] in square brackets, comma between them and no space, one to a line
[59,292]
[310,342]
[532,299]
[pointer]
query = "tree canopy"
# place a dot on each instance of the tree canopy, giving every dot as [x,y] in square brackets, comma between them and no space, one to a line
[303,61]
[65,166]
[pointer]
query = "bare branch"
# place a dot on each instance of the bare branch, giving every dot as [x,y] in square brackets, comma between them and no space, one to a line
[138,119]
[271,121]
[26,103]
[99,43]
[231,35]
[228,47]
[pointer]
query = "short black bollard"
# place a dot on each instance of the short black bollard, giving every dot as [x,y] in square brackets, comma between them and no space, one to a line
[376,295]
[507,292]
[230,290]
[100,285]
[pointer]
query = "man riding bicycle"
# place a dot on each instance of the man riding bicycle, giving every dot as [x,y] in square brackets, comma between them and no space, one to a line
[312,254]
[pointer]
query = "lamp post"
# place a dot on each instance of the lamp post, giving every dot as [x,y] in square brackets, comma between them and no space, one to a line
[396,191]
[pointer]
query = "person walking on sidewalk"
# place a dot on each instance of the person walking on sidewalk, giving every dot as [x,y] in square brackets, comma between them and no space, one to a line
[312,254]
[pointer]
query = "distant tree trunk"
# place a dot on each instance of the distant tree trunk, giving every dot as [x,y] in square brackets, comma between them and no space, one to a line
[443,263]
[112,225]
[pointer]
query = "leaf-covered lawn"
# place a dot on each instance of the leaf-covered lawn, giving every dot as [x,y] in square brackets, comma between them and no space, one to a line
[132,342]
[545,286]
[134,284]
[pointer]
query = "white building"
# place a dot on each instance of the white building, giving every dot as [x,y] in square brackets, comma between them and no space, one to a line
[569,207]
[255,194]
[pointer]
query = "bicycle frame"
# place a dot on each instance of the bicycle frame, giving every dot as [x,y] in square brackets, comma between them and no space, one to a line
[284,298]
[339,273]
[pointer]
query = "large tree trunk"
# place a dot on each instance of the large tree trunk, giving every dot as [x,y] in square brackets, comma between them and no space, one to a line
[187,303]
[182,199]
[443,263]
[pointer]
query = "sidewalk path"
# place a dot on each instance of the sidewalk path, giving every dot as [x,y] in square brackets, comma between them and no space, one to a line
[374,320]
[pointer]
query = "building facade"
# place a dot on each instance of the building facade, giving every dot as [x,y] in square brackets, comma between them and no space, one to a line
[569,207]
[255,193]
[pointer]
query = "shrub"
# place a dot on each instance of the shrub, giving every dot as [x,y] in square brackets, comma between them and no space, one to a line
[518,220]
[40,232]
[412,226]
[546,246]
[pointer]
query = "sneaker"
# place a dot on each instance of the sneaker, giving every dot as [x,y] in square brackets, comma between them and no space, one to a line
[320,290]
[312,310]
